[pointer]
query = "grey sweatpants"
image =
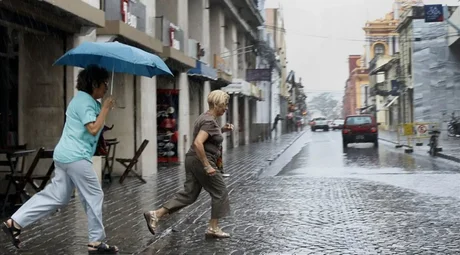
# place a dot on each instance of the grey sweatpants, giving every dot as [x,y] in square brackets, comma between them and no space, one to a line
[79,175]
[196,179]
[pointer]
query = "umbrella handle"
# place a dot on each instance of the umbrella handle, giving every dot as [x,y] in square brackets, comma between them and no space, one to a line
[111,84]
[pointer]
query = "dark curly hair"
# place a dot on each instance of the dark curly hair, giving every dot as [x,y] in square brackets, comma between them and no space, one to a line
[91,77]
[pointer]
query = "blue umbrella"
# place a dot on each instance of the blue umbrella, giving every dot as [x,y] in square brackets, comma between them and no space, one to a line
[115,56]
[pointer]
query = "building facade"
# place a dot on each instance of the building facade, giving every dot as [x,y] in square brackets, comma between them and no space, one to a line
[429,67]
[203,44]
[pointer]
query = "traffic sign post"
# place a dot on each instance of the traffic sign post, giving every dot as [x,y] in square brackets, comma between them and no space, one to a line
[422,131]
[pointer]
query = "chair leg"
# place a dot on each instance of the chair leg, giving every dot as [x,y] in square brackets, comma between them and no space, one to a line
[126,172]
[139,177]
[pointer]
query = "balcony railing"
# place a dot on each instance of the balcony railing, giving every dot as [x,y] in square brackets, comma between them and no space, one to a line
[170,34]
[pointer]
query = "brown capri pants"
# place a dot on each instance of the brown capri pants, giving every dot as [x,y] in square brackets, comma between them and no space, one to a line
[196,178]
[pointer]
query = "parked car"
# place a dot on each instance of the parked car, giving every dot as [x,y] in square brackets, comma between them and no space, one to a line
[360,129]
[337,124]
[319,123]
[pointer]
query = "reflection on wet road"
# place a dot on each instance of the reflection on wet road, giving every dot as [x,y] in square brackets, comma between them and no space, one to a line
[323,156]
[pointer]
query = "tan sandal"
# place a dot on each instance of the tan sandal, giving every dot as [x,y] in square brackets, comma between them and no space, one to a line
[216,233]
[152,220]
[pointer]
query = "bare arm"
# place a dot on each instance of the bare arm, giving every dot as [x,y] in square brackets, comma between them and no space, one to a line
[94,127]
[199,147]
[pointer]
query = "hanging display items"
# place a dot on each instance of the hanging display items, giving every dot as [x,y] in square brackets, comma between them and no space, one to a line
[167,125]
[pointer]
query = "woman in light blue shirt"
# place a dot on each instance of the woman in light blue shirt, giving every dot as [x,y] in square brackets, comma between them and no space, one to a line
[73,161]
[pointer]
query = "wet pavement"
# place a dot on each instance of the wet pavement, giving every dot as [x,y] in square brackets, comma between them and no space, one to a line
[65,232]
[328,200]
[315,198]
[450,145]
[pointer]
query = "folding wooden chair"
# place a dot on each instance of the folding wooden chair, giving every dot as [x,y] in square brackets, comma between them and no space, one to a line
[45,154]
[12,162]
[109,159]
[130,163]
[19,180]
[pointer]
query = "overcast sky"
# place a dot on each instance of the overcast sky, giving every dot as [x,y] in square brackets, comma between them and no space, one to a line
[320,35]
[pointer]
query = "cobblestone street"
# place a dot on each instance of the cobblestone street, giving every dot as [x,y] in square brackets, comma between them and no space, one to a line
[324,200]
[327,201]
[65,232]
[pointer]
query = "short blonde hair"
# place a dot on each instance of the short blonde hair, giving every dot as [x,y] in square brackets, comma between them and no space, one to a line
[218,98]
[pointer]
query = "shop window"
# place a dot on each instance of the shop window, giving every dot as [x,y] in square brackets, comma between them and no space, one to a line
[167,125]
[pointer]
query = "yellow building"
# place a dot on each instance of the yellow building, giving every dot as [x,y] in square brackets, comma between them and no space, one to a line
[382,43]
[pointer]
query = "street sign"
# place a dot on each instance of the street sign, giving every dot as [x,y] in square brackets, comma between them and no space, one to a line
[258,75]
[408,129]
[434,13]
[422,129]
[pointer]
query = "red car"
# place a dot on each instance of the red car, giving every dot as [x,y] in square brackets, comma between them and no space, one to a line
[360,129]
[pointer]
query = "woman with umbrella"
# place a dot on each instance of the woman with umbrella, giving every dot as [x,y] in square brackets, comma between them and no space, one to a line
[73,162]
[202,169]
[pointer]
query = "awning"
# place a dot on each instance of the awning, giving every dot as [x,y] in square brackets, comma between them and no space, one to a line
[391,102]
[366,109]
[238,86]
[244,88]
[203,70]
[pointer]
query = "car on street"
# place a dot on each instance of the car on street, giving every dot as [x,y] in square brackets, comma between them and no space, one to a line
[319,123]
[360,129]
[337,124]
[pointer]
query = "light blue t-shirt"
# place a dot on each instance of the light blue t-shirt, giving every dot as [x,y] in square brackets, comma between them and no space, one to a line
[76,142]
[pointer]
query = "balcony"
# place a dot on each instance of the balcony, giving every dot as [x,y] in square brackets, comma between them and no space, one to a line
[172,38]
[249,10]
[236,13]
[127,23]
[68,16]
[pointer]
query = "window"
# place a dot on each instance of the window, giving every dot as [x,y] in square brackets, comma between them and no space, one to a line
[361,120]
[379,49]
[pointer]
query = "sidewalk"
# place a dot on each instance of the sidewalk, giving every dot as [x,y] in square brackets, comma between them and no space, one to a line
[450,146]
[65,232]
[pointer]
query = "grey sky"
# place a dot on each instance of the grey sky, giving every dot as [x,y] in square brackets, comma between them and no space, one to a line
[322,62]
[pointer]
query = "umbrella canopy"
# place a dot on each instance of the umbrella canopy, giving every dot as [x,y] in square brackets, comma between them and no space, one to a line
[115,57]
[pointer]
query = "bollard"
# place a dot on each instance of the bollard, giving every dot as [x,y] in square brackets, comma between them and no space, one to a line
[409,148]
[398,145]
[419,143]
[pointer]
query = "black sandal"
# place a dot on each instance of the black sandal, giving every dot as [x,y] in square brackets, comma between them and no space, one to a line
[103,248]
[13,232]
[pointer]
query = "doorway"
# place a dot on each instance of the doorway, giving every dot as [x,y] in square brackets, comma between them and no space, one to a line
[9,66]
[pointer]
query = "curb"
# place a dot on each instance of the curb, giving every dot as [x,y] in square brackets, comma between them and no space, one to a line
[440,154]
[270,160]
[448,157]
[390,141]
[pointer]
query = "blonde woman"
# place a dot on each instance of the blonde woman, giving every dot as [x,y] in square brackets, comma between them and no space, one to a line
[201,168]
